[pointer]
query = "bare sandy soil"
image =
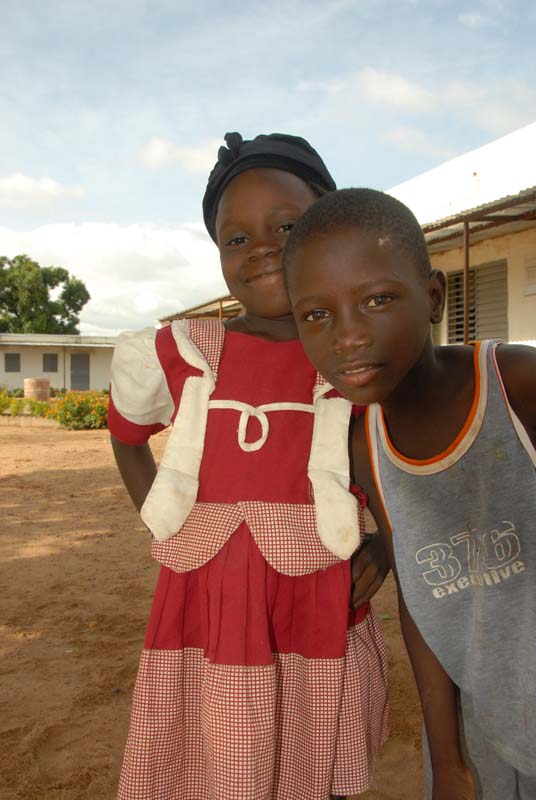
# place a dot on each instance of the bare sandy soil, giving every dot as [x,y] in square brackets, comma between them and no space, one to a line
[76,580]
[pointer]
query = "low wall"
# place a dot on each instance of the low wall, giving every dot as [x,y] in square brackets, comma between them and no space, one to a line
[26,421]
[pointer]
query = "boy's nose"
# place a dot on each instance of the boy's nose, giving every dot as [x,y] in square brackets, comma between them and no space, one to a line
[350,335]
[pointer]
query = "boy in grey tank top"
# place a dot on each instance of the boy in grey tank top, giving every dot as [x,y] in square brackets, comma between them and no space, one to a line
[446,453]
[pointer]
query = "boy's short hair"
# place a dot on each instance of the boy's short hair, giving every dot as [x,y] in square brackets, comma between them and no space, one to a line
[368,210]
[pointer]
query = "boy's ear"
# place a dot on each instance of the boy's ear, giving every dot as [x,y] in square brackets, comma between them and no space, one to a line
[437,289]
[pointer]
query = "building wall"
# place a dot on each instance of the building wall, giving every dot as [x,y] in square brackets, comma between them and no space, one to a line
[519,250]
[100,361]
[31,366]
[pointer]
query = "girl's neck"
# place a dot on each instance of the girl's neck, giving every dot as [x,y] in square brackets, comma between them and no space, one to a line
[276,329]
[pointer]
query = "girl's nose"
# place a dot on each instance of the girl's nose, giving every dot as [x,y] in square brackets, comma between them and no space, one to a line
[263,249]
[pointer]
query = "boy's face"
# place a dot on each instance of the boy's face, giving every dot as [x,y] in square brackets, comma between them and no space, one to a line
[363,311]
[255,216]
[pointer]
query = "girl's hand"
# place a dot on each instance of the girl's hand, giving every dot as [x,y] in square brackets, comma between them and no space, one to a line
[453,784]
[370,566]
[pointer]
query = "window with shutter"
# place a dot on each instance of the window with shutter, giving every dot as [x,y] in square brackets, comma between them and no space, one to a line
[488,303]
[12,362]
[50,362]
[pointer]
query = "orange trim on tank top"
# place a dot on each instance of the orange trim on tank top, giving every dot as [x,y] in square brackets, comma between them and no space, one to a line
[373,469]
[461,435]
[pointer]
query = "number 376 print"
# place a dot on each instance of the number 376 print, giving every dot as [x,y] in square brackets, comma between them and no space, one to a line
[471,559]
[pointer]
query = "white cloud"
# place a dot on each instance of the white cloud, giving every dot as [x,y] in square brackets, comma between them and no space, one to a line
[498,107]
[20,191]
[161,152]
[329,86]
[135,274]
[412,140]
[471,19]
[395,91]
[381,88]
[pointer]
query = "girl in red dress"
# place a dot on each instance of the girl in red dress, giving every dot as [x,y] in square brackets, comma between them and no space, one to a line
[256,681]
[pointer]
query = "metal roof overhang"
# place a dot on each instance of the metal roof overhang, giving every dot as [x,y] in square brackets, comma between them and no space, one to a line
[224,307]
[16,340]
[510,214]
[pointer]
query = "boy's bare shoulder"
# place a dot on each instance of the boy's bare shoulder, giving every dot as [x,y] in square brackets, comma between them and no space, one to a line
[517,365]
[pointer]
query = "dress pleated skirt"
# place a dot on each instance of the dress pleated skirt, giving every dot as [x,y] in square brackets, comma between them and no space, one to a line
[255,685]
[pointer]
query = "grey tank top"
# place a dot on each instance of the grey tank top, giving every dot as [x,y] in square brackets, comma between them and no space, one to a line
[464,536]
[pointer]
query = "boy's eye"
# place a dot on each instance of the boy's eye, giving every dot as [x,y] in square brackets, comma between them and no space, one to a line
[378,300]
[315,316]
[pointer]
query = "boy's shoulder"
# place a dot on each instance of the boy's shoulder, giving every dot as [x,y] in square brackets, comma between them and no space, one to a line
[513,359]
[517,367]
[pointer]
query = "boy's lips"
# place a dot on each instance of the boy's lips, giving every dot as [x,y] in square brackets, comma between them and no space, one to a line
[357,374]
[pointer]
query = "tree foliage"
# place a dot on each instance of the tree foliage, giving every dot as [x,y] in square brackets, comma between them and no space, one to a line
[35,299]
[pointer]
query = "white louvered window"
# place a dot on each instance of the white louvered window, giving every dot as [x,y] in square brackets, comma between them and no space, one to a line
[488,303]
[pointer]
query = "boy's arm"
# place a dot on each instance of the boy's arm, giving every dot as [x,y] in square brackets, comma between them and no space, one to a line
[137,467]
[438,694]
[517,365]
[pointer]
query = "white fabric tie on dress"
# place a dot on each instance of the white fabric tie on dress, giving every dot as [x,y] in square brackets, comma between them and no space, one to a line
[259,413]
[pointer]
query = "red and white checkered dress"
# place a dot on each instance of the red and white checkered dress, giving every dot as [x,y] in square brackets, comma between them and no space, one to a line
[255,683]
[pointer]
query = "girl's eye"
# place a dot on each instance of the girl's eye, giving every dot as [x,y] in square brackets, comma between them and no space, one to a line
[286,227]
[378,300]
[238,240]
[316,316]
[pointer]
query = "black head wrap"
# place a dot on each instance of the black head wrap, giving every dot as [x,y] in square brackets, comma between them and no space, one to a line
[275,150]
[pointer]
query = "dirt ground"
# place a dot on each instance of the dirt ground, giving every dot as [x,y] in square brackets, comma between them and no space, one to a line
[76,580]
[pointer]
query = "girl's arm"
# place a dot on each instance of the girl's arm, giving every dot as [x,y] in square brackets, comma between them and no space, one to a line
[438,694]
[137,467]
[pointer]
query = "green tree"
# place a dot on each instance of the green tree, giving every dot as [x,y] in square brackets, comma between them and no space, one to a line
[26,304]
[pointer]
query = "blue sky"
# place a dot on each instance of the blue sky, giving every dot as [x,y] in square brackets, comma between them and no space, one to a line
[112,112]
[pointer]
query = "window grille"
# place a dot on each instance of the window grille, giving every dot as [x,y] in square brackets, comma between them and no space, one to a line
[488,303]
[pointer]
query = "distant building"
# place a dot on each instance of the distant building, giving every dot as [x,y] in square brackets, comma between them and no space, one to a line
[70,362]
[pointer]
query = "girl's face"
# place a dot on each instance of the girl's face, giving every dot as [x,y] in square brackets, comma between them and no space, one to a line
[255,215]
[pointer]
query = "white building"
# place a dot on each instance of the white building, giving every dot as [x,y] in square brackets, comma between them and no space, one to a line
[478,213]
[70,362]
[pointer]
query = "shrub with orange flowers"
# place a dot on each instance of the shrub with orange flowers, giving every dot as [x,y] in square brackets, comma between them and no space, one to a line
[79,410]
